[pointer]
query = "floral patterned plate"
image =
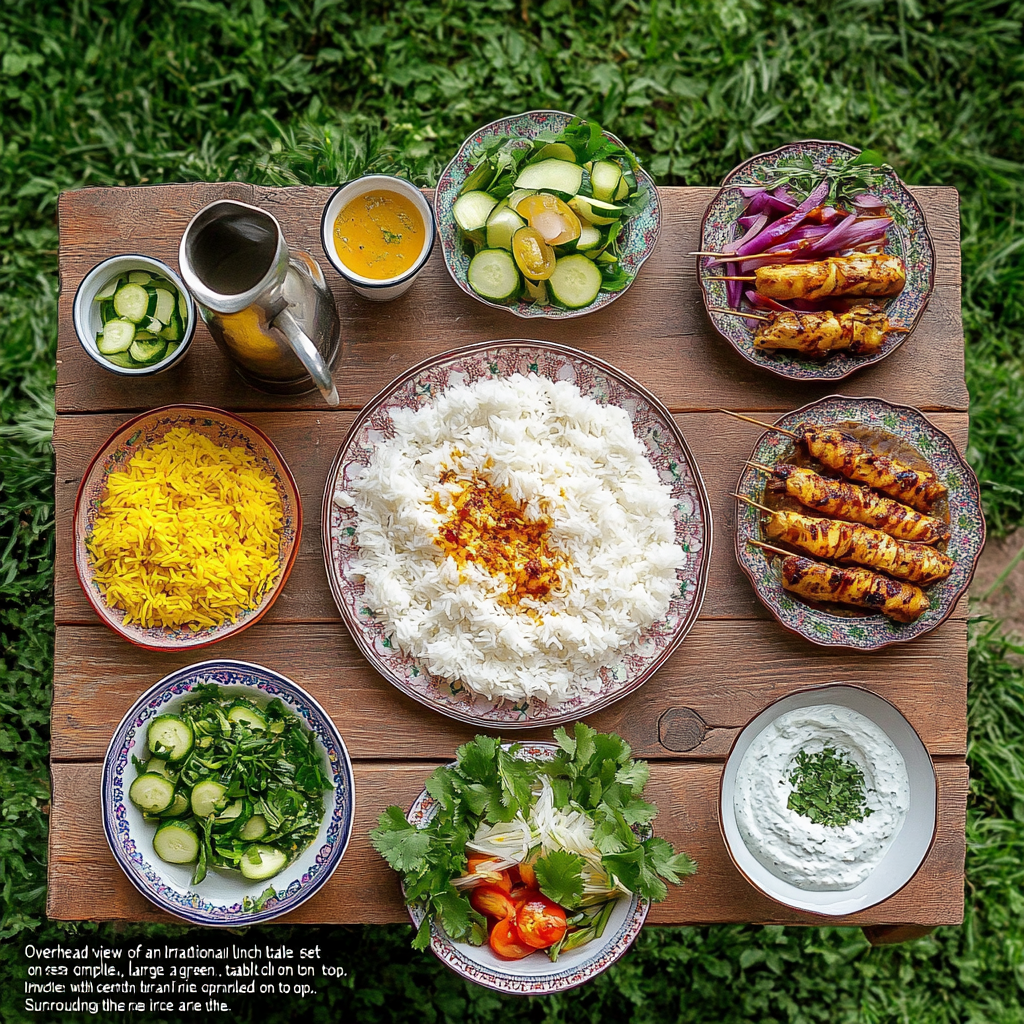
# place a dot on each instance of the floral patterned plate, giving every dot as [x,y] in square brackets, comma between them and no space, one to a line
[859,630]
[223,897]
[908,238]
[639,236]
[666,449]
[534,975]
[142,432]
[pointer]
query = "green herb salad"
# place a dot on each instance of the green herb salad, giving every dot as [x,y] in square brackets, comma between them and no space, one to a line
[231,783]
[513,835]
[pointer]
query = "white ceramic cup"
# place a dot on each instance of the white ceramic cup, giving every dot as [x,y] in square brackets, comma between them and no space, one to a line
[368,287]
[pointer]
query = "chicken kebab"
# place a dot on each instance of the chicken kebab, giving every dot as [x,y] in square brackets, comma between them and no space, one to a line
[890,532]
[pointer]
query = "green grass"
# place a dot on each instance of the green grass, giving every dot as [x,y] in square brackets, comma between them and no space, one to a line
[314,92]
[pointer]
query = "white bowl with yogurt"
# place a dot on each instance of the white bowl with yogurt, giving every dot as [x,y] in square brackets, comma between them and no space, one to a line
[831,869]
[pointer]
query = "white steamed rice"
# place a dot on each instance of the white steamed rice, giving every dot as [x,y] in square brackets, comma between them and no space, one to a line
[573,462]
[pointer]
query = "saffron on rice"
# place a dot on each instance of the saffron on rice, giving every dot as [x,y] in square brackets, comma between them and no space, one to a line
[188,534]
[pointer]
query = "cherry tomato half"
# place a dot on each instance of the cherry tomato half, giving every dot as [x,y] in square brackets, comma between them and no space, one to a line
[477,864]
[534,257]
[528,875]
[492,901]
[506,943]
[539,922]
[551,217]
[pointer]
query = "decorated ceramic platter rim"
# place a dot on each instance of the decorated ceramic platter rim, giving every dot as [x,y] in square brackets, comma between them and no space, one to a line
[761,721]
[156,638]
[473,362]
[869,632]
[912,301]
[142,867]
[558,978]
[528,124]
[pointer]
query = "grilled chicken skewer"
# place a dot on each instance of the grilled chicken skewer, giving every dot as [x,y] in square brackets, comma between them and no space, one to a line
[858,587]
[842,452]
[860,331]
[876,274]
[855,503]
[850,542]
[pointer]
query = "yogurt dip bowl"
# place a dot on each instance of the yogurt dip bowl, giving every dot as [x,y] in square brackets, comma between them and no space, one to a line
[826,869]
[405,195]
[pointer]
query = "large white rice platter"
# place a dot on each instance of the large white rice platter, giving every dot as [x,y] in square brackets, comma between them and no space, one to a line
[598,516]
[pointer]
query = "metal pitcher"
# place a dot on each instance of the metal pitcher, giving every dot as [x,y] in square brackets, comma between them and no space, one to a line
[267,307]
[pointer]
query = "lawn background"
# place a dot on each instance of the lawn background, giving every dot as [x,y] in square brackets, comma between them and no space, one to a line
[314,92]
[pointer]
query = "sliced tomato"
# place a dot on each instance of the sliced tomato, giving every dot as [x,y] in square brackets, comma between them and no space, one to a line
[492,901]
[528,875]
[477,864]
[505,941]
[534,257]
[540,922]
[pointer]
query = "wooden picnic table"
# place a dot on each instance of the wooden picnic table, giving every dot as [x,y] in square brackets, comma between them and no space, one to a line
[735,662]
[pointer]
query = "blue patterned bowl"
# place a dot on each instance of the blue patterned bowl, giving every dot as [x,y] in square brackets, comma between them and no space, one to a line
[223,898]
[908,238]
[861,631]
[637,241]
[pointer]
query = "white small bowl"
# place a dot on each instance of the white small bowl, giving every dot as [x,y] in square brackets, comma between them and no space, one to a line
[907,851]
[86,310]
[368,287]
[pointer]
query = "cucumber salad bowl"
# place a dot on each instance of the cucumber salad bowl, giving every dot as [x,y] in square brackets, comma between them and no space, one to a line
[545,215]
[197,809]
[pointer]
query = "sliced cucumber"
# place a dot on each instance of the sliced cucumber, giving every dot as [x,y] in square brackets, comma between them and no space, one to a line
[233,817]
[148,352]
[123,359]
[151,793]
[135,303]
[501,225]
[165,305]
[174,331]
[179,807]
[248,713]
[170,737]
[208,797]
[605,176]
[519,195]
[556,151]
[182,308]
[260,861]
[575,282]
[107,291]
[255,828]
[590,238]
[557,176]
[479,178]
[176,842]
[493,274]
[117,336]
[140,277]
[595,211]
[535,291]
[158,766]
[471,211]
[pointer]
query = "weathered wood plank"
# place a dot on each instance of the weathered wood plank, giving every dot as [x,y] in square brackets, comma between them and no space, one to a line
[310,440]
[87,884]
[657,331]
[725,672]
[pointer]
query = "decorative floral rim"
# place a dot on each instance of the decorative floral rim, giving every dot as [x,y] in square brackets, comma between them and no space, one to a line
[668,452]
[966,521]
[554,977]
[638,239]
[911,242]
[304,877]
[829,693]
[141,432]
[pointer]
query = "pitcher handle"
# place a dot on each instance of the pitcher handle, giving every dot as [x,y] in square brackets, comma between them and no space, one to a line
[309,356]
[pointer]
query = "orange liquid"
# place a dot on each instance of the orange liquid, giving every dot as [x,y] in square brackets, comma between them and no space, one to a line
[379,235]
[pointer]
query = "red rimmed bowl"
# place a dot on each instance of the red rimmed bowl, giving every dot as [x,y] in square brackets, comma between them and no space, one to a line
[143,431]
[911,430]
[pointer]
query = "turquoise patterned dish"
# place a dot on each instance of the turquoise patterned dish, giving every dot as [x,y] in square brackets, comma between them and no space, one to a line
[863,631]
[908,238]
[639,235]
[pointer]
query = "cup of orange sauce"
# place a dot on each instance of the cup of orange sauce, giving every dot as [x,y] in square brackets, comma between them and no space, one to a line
[378,231]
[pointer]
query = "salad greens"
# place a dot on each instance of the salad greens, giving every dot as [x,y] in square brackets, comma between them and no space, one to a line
[828,788]
[847,179]
[588,796]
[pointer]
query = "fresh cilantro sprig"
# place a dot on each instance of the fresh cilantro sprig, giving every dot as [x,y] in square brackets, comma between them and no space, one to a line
[828,788]
[489,784]
[846,178]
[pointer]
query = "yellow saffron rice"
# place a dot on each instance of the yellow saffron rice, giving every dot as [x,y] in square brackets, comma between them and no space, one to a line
[187,535]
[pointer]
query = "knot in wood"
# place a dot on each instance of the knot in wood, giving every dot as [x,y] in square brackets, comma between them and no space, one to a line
[681,729]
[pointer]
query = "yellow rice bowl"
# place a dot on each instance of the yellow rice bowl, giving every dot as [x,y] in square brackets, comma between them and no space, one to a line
[188,534]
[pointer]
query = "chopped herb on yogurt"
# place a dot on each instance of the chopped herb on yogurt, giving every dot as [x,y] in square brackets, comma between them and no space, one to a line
[828,788]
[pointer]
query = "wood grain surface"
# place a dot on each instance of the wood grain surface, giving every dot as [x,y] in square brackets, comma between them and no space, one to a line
[736,661]
[365,889]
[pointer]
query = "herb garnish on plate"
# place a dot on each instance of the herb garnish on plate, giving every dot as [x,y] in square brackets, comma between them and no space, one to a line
[828,788]
[847,179]
[592,787]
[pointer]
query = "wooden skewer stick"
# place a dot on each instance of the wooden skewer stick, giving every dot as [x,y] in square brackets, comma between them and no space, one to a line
[769,547]
[761,423]
[737,312]
[750,501]
[764,469]
[725,277]
[720,255]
